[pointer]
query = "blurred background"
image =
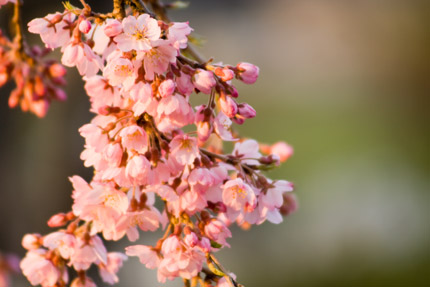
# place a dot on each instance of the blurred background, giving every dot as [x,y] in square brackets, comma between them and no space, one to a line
[345,82]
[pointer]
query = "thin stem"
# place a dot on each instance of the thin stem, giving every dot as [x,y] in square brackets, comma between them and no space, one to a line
[17,21]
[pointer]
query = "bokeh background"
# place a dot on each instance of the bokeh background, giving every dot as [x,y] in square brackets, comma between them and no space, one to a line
[345,82]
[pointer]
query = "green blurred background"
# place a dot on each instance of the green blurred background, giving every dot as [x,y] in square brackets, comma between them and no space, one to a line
[345,82]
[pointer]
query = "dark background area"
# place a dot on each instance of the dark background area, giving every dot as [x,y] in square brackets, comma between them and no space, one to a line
[345,82]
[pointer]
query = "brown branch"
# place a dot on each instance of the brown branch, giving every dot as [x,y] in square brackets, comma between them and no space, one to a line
[118,9]
[17,21]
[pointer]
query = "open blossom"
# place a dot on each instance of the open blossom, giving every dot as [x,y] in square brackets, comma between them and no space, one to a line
[109,271]
[184,149]
[53,29]
[39,270]
[83,57]
[238,195]
[138,34]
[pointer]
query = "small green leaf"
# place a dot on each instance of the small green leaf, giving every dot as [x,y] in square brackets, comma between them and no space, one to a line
[215,244]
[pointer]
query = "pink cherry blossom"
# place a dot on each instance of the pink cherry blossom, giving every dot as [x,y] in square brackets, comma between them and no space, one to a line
[146,255]
[184,149]
[138,34]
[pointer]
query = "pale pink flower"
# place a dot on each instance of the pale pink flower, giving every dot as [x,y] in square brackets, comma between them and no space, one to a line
[238,195]
[247,72]
[217,231]
[141,94]
[147,255]
[83,57]
[88,253]
[144,219]
[192,201]
[108,272]
[38,269]
[138,34]
[65,243]
[204,81]
[112,153]
[101,93]
[53,29]
[184,149]
[137,169]
[184,84]
[119,70]
[94,136]
[248,151]
[134,137]
[191,239]
[166,88]
[177,34]
[112,28]
[157,60]
[222,125]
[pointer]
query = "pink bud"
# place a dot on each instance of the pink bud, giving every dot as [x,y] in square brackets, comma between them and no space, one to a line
[247,72]
[228,106]
[85,26]
[205,244]
[112,28]
[224,73]
[191,239]
[166,88]
[57,70]
[246,111]
[204,130]
[31,241]
[57,220]
[204,81]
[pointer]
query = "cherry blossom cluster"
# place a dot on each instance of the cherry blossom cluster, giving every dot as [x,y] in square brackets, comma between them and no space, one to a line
[38,79]
[159,162]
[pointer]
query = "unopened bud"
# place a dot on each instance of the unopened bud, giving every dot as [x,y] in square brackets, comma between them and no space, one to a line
[85,26]
[228,106]
[246,111]
[57,220]
[31,241]
[247,72]
[112,28]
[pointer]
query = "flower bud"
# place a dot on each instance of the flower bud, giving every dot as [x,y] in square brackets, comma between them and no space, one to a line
[166,88]
[31,241]
[228,106]
[57,70]
[204,81]
[191,239]
[85,26]
[246,111]
[57,220]
[247,72]
[112,28]
[224,73]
